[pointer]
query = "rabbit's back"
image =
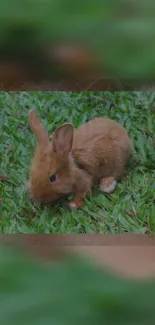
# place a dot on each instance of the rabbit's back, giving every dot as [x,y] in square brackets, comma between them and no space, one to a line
[102,147]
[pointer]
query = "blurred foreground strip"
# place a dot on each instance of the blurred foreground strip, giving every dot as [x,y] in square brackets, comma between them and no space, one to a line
[70,291]
[130,255]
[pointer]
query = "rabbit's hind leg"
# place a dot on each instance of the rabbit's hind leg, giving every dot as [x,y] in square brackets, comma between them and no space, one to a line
[107,184]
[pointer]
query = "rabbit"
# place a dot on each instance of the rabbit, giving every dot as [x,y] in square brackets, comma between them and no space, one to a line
[75,159]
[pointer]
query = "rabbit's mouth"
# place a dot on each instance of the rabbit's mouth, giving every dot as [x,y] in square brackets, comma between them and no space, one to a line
[64,199]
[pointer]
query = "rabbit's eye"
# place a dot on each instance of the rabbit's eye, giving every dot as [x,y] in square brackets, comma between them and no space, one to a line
[52,178]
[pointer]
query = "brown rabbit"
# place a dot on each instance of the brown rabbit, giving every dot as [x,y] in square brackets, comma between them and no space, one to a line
[97,151]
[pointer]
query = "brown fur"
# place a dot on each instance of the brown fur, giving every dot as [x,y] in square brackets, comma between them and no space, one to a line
[101,147]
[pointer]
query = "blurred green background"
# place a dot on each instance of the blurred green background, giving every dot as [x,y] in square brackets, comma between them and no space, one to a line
[119,36]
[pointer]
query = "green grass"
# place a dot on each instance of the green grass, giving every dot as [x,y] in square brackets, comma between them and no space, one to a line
[131,208]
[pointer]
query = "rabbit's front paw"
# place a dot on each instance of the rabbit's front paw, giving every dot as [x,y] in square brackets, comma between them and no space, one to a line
[76,203]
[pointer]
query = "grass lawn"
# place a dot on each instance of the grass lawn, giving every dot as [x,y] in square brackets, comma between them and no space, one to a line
[131,208]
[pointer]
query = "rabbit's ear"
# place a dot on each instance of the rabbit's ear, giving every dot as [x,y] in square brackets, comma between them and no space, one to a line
[38,128]
[63,139]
